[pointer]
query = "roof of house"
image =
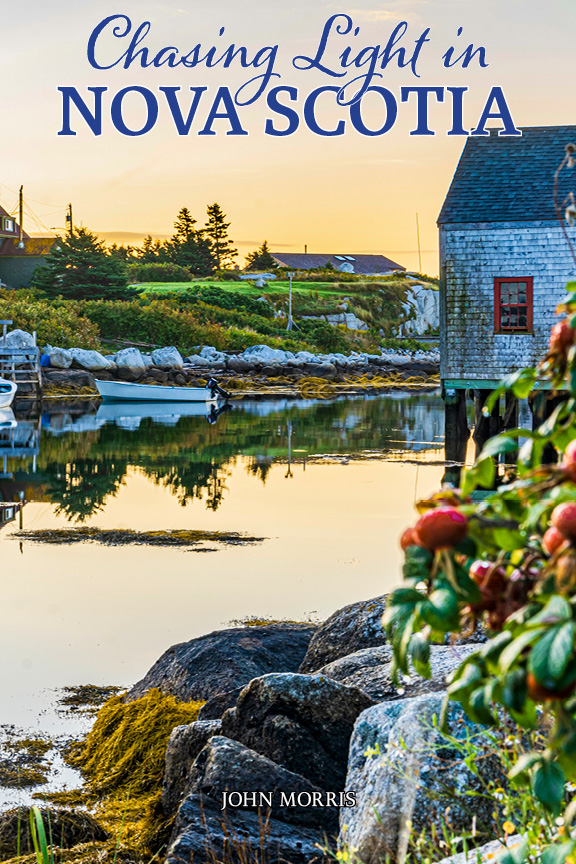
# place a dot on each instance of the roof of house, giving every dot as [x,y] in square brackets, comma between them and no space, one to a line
[503,179]
[364,265]
[32,246]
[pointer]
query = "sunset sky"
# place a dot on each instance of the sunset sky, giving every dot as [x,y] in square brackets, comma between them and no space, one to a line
[344,194]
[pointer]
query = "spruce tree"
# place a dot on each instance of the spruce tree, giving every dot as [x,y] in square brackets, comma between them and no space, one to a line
[261,259]
[188,247]
[216,231]
[79,267]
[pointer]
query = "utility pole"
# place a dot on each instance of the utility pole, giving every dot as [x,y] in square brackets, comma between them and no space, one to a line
[418,238]
[290,322]
[69,222]
[21,218]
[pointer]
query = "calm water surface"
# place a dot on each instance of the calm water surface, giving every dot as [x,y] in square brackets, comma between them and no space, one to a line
[329,484]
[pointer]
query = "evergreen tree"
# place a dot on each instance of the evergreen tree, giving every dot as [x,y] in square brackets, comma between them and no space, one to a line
[261,259]
[216,231]
[79,267]
[151,251]
[188,247]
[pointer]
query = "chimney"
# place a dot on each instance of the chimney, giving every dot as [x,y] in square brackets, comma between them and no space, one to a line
[305,249]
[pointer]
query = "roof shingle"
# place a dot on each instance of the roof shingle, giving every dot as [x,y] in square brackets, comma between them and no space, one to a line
[505,179]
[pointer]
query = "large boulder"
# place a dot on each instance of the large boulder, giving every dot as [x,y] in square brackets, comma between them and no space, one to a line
[226,659]
[167,358]
[405,774]
[130,362]
[197,360]
[69,828]
[214,708]
[60,358]
[369,669]
[267,356]
[20,339]
[184,745]
[202,833]
[345,632]
[239,364]
[92,361]
[302,722]
[212,354]
[228,766]
[69,378]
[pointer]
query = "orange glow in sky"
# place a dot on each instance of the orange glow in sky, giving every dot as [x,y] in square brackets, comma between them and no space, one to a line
[345,194]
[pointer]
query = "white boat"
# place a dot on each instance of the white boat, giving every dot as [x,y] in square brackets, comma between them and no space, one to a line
[124,391]
[7,392]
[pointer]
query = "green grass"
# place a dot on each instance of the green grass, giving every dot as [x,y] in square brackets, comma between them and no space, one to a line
[272,287]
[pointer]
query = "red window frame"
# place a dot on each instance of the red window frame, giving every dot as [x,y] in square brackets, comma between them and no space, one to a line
[501,293]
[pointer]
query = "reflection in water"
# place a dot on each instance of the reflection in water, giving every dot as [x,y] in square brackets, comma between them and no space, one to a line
[81,461]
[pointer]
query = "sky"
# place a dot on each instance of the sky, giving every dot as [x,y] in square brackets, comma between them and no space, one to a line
[343,194]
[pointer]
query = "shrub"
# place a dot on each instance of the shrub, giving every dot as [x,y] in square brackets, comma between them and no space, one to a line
[325,336]
[212,296]
[55,322]
[158,272]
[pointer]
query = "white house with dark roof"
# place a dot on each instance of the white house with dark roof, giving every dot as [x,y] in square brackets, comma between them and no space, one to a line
[504,260]
[361,265]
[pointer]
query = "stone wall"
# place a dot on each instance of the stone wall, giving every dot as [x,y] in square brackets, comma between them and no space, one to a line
[471,256]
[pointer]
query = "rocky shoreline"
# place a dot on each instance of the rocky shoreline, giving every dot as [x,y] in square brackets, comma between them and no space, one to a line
[262,366]
[306,717]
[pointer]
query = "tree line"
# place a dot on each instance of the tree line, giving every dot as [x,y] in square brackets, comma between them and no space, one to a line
[81,266]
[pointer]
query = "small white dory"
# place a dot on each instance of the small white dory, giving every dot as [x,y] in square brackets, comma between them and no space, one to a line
[124,391]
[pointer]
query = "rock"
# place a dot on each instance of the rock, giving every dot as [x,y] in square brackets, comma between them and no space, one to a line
[405,776]
[369,669]
[179,380]
[487,854]
[201,834]
[69,378]
[302,722]
[346,631]
[225,659]
[272,371]
[184,745]
[69,828]
[130,360]
[93,361]
[60,358]
[157,375]
[167,358]
[20,339]
[197,360]
[325,370]
[424,302]
[215,707]
[239,364]
[226,765]
[267,356]
[212,354]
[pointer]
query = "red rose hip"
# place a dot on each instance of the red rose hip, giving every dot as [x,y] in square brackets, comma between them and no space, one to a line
[552,540]
[409,538]
[564,520]
[569,462]
[441,528]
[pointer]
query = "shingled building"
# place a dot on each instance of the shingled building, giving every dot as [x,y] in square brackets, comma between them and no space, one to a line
[504,260]
[18,262]
[504,265]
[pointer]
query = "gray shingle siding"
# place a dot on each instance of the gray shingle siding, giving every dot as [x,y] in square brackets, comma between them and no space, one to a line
[472,255]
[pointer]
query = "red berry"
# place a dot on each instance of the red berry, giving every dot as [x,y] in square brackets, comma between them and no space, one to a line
[539,693]
[569,462]
[409,538]
[552,540]
[441,528]
[564,519]
[561,336]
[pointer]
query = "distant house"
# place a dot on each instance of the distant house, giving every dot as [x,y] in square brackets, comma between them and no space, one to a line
[18,263]
[361,265]
[504,261]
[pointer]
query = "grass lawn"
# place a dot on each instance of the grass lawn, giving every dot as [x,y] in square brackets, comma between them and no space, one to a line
[243,287]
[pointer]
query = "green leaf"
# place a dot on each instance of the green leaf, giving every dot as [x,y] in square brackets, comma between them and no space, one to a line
[479,706]
[471,675]
[482,473]
[548,783]
[404,596]
[524,765]
[515,648]
[504,443]
[509,540]
[556,610]
[440,610]
[551,654]
[558,852]
[419,650]
[514,690]
[494,647]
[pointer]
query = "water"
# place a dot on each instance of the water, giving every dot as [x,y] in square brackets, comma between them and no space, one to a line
[330,485]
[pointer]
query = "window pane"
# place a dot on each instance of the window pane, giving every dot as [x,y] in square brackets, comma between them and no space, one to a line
[522,321]
[521,296]
[513,293]
[505,318]
[513,317]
